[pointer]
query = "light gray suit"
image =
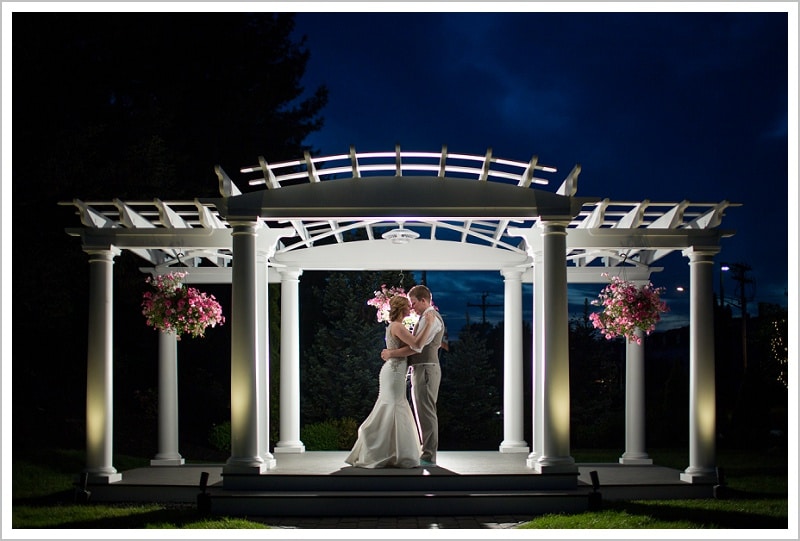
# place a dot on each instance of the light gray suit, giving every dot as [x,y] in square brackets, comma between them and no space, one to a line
[426,374]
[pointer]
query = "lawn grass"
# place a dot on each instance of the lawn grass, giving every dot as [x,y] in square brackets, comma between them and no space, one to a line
[757,497]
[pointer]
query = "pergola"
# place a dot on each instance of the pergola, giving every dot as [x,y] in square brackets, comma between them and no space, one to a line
[387,211]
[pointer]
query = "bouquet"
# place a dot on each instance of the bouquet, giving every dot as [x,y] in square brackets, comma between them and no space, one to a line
[627,307]
[178,309]
[380,301]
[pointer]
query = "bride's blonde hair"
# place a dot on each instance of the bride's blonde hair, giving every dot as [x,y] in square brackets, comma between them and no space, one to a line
[397,305]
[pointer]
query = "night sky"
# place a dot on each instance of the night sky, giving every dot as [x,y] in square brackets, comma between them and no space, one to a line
[665,106]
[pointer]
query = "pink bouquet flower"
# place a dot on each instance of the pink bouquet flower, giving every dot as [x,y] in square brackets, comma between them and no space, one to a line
[627,307]
[178,309]
[380,302]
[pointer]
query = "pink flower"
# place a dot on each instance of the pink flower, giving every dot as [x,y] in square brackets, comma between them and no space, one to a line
[380,302]
[627,307]
[176,308]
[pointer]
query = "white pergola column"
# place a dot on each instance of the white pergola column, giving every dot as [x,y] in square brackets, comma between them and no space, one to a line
[100,369]
[245,381]
[537,373]
[262,310]
[290,363]
[555,393]
[513,423]
[702,386]
[635,406]
[168,454]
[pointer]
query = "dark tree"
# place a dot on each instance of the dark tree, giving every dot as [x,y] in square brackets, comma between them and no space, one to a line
[145,104]
[760,413]
[340,369]
[597,407]
[469,399]
[131,106]
[274,362]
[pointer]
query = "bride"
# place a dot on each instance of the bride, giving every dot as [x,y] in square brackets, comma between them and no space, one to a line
[389,436]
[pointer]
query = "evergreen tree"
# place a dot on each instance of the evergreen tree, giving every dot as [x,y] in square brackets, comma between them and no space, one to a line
[145,104]
[469,399]
[132,106]
[340,369]
[274,361]
[760,413]
[596,385]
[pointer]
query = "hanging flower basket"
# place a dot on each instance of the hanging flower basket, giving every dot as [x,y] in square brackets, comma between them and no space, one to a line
[380,301]
[178,309]
[627,307]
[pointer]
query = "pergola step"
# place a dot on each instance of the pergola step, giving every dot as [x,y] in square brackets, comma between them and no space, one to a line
[394,503]
[383,483]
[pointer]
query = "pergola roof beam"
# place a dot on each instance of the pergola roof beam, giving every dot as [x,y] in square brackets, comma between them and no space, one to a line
[133,220]
[487,163]
[457,214]
[168,217]
[227,188]
[207,218]
[465,230]
[442,162]
[92,218]
[354,162]
[710,218]
[672,218]
[269,177]
[130,218]
[595,218]
[633,218]
[570,185]
[398,161]
[527,175]
[499,230]
[312,171]
[402,162]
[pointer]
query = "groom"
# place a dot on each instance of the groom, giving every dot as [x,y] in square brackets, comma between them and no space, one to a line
[426,374]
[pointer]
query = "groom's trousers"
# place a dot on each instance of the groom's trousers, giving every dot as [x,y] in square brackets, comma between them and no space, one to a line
[425,379]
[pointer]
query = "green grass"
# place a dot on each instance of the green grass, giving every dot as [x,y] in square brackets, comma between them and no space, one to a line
[757,497]
[43,498]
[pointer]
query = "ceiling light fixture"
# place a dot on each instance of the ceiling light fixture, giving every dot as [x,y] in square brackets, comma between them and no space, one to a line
[400,235]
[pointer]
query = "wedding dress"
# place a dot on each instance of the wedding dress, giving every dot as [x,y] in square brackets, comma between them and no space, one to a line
[388,436]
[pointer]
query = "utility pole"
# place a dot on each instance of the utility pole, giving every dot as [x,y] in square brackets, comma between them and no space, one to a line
[483,304]
[723,267]
[739,271]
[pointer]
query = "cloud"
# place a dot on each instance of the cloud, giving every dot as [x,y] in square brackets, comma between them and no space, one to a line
[665,106]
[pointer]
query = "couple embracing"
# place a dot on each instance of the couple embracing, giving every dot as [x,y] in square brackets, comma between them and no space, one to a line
[391,436]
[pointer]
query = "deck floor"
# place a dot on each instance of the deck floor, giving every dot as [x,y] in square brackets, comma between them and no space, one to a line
[449,463]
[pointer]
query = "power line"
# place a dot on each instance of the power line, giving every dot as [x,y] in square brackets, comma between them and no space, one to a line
[739,274]
[483,305]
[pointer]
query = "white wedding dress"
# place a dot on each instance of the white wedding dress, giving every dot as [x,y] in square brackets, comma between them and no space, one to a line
[388,436]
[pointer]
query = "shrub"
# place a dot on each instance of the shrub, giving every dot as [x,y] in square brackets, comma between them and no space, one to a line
[348,432]
[330,435]
[220,436]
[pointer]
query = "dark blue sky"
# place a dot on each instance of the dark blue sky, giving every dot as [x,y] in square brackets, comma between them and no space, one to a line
[661,106]
[665,106]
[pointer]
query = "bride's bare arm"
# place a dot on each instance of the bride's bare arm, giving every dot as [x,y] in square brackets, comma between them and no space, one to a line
[416,341]
[399,330]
